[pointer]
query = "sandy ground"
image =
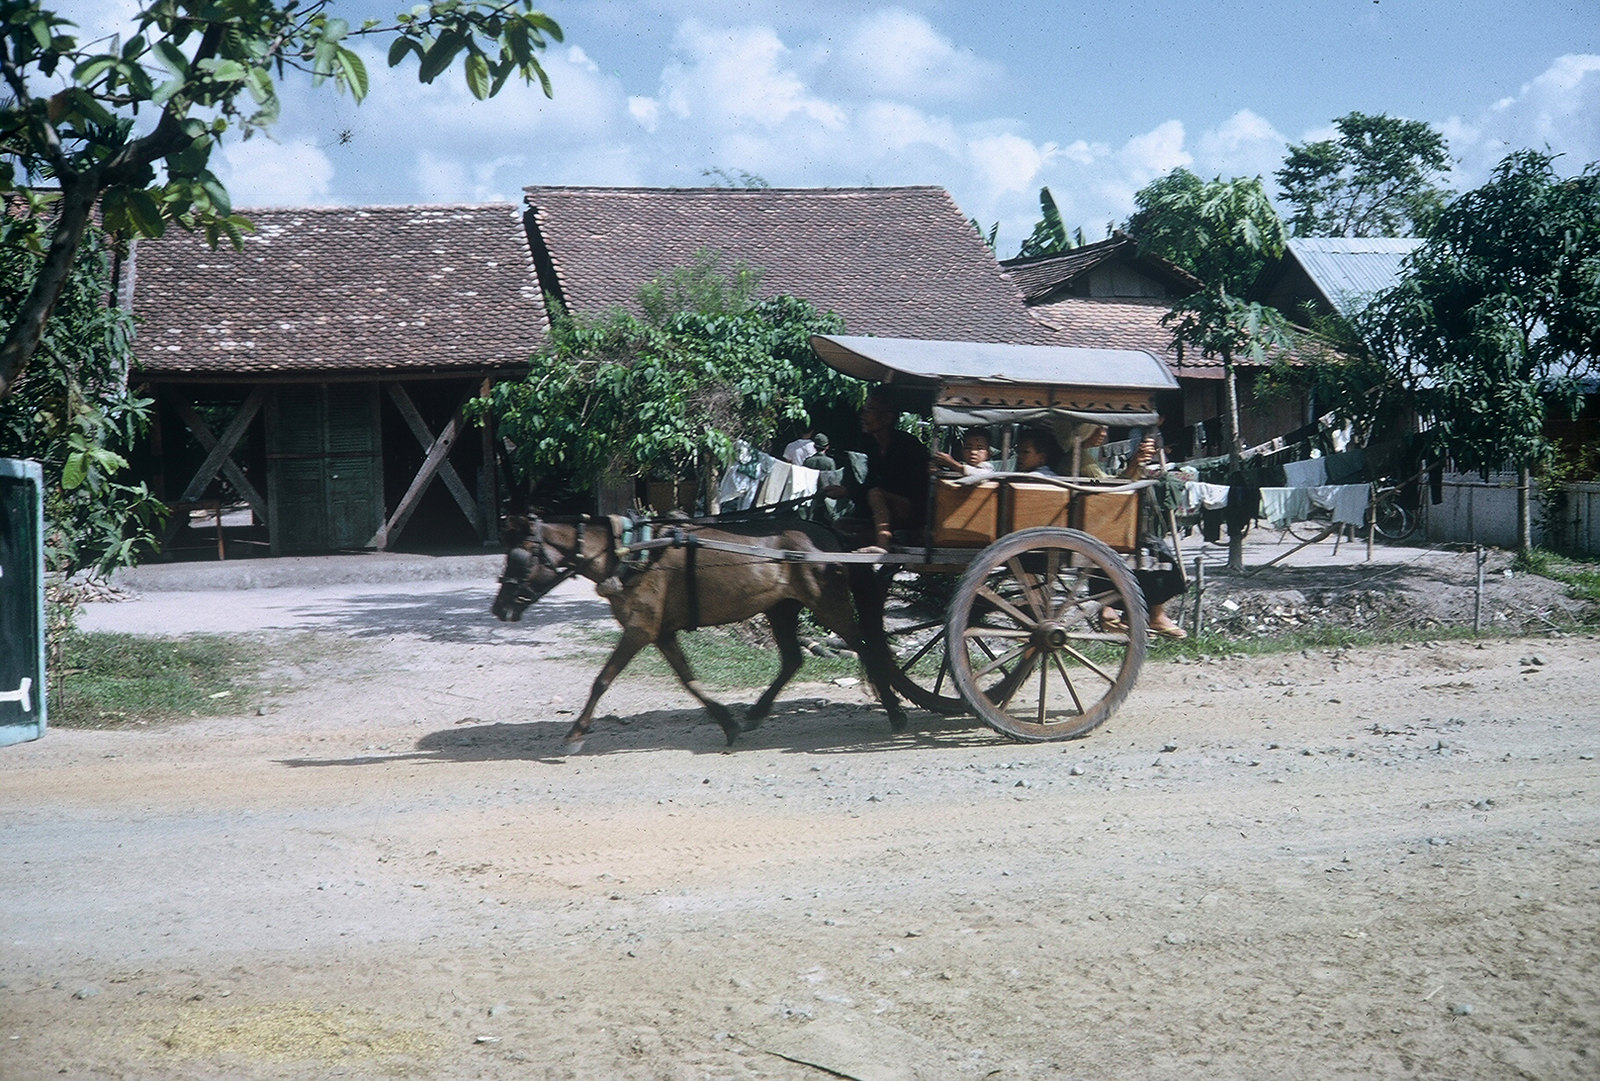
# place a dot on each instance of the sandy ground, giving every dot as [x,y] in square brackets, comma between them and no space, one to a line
[1380,863]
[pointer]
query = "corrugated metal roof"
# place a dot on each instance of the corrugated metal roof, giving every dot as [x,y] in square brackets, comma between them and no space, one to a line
[1348,270]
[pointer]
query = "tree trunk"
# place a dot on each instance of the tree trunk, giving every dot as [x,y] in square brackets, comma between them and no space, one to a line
[1524,512]
[27,328]
[1235,454]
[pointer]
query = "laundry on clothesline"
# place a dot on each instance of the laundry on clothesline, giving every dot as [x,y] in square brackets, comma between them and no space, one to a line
[1197,495]
[1281,506]
[1348,502]
[1307,474]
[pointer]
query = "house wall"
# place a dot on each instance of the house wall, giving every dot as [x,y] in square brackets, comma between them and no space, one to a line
[1205,401]
[173,455]
[1117,279]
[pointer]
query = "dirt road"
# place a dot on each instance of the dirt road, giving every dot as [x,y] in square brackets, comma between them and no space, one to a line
[1374,864]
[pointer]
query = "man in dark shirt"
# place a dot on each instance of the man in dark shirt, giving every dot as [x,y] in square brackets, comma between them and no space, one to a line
[896,484]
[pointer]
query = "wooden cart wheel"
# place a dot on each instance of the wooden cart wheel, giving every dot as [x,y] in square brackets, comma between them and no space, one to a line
[914,624]
[1029,654]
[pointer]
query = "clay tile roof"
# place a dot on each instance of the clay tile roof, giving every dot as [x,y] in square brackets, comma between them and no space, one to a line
[344,289]
[1121,323]
[894,262]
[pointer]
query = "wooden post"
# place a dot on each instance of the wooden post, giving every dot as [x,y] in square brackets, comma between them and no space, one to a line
[1372,520]
[1477,602]
[1199,591]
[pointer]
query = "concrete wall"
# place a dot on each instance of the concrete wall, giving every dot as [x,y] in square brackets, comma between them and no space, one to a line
[1476,511]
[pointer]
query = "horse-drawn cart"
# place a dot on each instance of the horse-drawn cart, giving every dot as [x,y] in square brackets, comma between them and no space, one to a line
[1020,602]
[1024,641]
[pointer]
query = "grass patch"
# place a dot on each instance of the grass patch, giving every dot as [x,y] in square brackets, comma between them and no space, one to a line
[120,680]
[1214,644]
[1581,576]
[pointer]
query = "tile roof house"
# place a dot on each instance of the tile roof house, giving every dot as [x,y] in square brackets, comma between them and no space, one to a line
[893,262]
[319,374]
[333,353]
[1111,295]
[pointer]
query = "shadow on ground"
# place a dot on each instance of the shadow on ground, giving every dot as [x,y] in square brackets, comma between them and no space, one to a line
[803,727]
[459,616]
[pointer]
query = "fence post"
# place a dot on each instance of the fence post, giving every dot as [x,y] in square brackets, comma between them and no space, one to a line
[1477,601]
[1199,591]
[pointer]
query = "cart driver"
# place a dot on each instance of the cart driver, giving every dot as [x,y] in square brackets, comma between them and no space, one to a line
[895,489]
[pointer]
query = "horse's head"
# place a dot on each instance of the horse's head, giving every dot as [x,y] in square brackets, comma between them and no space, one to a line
[533,567]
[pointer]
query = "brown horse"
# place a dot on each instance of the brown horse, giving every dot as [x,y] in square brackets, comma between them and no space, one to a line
[693,585]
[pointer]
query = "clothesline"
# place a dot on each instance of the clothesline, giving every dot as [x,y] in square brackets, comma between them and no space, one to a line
[1280,506]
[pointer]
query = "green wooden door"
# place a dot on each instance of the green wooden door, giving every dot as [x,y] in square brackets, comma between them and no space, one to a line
[325,467]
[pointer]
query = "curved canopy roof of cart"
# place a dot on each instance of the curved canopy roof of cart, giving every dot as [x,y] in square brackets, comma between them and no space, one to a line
[990,382]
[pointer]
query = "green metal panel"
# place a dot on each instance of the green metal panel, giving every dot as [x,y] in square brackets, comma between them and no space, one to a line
[325,467]
[22,672]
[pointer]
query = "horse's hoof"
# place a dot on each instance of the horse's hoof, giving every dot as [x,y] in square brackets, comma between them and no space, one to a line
[732,730]
[572,746]
[897,722]
[751,723]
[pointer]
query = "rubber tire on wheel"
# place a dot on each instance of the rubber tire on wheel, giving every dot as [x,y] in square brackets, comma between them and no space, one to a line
[1394,522]
[914,625]
[1029,657]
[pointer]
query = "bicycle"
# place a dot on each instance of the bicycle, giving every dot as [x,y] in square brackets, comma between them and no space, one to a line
[1392,521]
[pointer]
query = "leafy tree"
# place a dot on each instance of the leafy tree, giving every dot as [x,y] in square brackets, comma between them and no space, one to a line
[1498,315]
[708,364]
[128,124]
[1224,232]
[1049,236]
[1380,177]
[73,412]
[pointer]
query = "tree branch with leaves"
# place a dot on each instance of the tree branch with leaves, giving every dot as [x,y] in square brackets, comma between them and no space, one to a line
[74,113]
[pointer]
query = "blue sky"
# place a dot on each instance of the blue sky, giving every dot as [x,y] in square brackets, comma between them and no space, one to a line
[991,101]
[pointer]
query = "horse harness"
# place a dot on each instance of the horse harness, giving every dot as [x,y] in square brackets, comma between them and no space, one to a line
[636,551]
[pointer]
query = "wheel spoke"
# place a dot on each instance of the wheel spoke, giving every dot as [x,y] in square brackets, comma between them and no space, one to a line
[1029,593]
[999,662]
[1005,606]
[923,652]
[1089,664]
[1067,679]
[1012,682]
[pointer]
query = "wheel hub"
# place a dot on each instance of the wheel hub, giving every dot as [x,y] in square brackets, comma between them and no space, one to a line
[1050,635]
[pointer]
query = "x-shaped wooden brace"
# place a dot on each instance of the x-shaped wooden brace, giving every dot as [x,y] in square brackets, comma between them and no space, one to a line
[435,464]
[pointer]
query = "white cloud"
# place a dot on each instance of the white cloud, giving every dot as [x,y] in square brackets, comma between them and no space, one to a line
[261,172]
[1558,110]
[897,54]
[646,112]
[896,127]
[737,76]
[1155,153]
[1243,145]
[1007,163]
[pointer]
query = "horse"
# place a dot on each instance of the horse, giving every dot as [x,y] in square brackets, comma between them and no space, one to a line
[691,585]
